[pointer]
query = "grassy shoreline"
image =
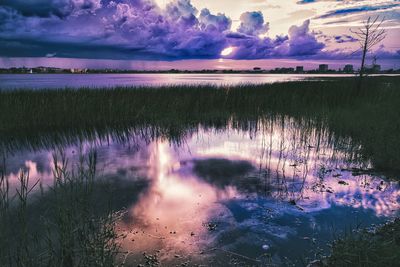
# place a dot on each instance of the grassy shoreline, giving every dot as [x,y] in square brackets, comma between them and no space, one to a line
[370,118]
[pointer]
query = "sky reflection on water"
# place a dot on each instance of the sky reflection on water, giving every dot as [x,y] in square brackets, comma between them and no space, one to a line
[271,195]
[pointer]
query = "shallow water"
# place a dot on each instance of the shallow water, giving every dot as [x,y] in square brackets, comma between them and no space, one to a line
[277,193]
[56,81]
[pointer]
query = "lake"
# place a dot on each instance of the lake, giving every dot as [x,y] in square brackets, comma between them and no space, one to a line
[247,176]
[274,194]
[37,81]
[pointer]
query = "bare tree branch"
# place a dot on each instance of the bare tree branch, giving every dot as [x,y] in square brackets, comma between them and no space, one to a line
[369,35]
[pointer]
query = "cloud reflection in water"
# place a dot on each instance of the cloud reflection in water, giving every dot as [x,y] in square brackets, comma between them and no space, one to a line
[230,189]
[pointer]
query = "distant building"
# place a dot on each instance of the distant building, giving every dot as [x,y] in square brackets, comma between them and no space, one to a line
[323,68]
[54,70]
[348,68]
[72,70]
[376,68]
[299,69]
[282,70]
[40,69]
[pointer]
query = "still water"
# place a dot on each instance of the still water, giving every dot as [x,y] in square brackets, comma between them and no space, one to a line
[274,194]
[52,81]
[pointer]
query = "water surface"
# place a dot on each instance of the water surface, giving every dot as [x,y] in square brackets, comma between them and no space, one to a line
[40,81]
[276,193]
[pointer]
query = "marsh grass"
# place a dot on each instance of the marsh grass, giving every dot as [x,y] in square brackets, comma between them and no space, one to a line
[57,226]
[360,247]
[37,118]
[66,226]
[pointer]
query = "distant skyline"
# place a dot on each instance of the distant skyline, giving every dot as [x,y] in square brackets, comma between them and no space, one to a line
[184,34]
[187,64]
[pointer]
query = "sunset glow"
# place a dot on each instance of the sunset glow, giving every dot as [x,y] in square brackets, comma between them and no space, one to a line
[172,30]
[227,51]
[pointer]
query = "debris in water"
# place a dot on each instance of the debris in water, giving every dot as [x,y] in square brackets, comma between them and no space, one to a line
[265,247]
[151,260]
[315,263]
[210,226]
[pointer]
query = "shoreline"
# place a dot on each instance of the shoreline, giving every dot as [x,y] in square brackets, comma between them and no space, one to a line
[212,72]
[368,117]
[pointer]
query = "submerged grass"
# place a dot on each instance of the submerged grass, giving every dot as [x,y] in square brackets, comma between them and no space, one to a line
[57,226]
[47,117]
[368,248]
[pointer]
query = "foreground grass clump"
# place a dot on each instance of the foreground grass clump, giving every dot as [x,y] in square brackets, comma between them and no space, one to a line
[59,226]
[46,117]
[367,249]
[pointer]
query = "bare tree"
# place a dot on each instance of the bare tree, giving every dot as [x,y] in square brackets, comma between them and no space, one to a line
[369,35]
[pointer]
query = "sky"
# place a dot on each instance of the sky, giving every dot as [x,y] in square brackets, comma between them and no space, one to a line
[192,34]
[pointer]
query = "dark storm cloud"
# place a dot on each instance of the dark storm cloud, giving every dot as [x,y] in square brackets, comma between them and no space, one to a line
[344,39]
[299,42]
[140,29]
[46,8]
[346,11]
[136,29]
[338,54]
[306,1]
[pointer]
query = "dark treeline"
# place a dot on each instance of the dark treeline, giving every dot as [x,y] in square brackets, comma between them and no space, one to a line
[34,119]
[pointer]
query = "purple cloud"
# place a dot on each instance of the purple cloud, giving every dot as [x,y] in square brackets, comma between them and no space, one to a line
[344,39]
[47,8]
[140,29]
[252,23]
[358,9]
[182,11]
[218,22]
[302,42]
[306,1]
[117,29]
[299,42]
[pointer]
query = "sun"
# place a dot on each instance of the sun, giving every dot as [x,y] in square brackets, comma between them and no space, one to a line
[227,51]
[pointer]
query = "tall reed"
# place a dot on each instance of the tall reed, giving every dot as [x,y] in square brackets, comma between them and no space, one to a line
[49,117]
[57,226]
